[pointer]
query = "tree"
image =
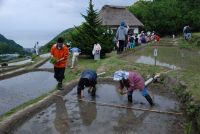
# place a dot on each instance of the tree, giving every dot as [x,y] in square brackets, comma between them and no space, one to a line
[91,31]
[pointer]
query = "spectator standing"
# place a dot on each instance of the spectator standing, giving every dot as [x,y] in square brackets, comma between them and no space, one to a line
[68,44]
[75,51]
[136,40]
[188,32]
[132,41]
[184,32]
[60,52]
[173,36]
[37,48]
[139,40]
[122,31]
[97,49]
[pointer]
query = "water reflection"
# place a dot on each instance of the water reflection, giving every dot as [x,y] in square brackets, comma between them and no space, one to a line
[168,57]
[60,123]
[88,111]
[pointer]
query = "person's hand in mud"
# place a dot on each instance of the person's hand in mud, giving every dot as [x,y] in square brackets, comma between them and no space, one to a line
[124,92]
[82,94]
[91,89]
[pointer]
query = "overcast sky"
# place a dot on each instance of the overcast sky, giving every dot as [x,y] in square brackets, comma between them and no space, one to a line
[28,21]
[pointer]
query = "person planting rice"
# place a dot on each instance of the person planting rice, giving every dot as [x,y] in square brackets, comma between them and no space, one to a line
[60,52]
[132,81]
[88,79]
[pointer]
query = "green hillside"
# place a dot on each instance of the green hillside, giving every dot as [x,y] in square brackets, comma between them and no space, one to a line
[10,42]
[65,34]
[9,46]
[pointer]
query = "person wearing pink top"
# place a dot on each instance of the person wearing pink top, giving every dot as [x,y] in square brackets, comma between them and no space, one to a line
[139,40]
[132,81]
[97,49]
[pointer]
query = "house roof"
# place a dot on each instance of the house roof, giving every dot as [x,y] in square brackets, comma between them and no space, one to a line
[114,15]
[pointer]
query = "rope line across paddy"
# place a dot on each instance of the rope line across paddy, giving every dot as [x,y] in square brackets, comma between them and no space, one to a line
[163,112]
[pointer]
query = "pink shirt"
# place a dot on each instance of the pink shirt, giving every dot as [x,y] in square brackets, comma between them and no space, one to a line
[135,81]
[97,47]
[139,41]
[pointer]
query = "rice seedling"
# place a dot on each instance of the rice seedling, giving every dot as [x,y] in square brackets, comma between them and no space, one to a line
[53,60]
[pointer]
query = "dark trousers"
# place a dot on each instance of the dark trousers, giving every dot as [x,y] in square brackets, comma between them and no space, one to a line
[121,45]
[59,73]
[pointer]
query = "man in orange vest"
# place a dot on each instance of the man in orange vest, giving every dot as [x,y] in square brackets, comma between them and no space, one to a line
[60,52]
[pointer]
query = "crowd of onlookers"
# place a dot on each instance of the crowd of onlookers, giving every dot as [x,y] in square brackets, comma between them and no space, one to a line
[125,41]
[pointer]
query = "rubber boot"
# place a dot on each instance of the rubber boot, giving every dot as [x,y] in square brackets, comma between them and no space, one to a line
[78,90]
[93,92]
[60,86]
[149,100]
[130,98]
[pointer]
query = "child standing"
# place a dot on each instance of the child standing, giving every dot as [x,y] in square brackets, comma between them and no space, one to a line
[173,36]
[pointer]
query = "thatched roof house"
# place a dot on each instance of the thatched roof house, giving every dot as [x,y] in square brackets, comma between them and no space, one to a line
[113,16]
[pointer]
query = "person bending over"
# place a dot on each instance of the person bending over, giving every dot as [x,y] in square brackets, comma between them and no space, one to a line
[88,79]
[132,81]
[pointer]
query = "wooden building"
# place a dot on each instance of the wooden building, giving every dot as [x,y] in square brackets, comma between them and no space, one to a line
[113,16]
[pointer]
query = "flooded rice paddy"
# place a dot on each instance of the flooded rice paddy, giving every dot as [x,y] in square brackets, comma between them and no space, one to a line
[45,55]
[74,117]
[171,57]
[19,63]
[47,65]
[20,89]
[13,71]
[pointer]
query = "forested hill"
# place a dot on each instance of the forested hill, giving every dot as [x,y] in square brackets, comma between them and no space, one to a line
[10,42]
[9,46]
[62,34]
[65,34]
[167,17]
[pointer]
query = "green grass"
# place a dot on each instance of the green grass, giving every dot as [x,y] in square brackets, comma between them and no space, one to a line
[187,46]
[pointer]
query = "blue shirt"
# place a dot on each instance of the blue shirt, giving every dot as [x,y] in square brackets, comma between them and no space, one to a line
[75,49]
[91,76]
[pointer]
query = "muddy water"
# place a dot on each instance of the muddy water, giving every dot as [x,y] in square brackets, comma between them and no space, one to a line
[23,88]
[47,65]
[72,116]
[19,63]
[45,55]
[168,57]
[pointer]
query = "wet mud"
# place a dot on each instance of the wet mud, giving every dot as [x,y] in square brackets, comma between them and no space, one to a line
[170,57]
[66,115]
[23,88]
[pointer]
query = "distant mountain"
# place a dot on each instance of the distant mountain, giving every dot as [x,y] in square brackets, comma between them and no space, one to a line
[10,42]
[9,46]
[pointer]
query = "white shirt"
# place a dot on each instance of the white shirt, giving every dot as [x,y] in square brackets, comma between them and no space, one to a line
[37,46]
[97,47]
